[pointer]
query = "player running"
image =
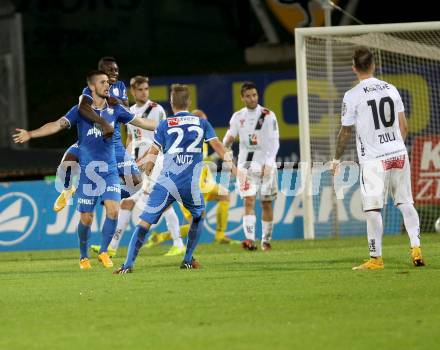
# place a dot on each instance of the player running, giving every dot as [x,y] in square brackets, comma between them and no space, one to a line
[99,175]
[181,138]
[127,168]
[138,143]
[376,110]
[257,129]
[212,192]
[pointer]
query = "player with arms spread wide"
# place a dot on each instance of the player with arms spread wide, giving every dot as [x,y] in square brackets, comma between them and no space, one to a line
[127,168]
[376,110]
[181,138]
[99,175]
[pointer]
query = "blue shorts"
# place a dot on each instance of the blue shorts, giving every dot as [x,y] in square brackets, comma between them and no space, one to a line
[74,150]
[160,199]
[125,162]
[106,187]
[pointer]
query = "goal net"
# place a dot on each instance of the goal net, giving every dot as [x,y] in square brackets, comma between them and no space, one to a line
[407,55]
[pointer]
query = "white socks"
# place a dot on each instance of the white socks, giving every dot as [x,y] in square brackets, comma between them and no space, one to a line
[173,226]
[267,227]
[249,226]
[412,223]
[123,220]
[374,233]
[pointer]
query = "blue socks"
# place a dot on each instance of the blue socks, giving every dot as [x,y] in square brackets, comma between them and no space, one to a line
[195,231]
[108,229]
[83,239]
[136,242]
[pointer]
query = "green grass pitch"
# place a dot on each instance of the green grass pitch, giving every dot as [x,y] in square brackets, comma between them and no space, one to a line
[302,295]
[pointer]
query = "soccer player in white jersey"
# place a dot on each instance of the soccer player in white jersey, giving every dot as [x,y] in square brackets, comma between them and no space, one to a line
[138,143]
[257,128]
[376,110]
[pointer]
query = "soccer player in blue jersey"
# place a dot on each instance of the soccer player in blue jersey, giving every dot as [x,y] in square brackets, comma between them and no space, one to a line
[180,138]
[99,176]
[127,168]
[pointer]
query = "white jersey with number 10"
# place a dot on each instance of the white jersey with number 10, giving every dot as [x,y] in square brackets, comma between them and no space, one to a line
[373,106]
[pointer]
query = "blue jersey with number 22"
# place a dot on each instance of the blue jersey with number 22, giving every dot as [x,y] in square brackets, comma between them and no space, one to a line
[181,139]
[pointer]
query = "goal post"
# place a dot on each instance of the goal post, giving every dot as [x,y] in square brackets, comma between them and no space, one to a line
[13,110]
[408,56]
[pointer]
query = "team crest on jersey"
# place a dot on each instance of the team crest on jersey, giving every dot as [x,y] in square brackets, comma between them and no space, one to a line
[110,111]
[242,123]
[253,141]
[115,91]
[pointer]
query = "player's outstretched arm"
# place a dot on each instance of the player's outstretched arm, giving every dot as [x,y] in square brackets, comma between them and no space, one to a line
[403,125]
[87,112]
[228,140]
[224,154]
[145,124]
[113,101]
[146,163]
[51,128]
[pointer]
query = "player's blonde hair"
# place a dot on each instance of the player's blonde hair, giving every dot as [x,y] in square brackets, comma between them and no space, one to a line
[180,96]
[138,80]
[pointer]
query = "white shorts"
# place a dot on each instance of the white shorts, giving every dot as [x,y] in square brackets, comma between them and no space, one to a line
[149,181]
[380,176]
[266,187]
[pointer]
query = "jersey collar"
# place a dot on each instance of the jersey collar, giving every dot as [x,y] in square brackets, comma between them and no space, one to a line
[101,109]
[253,110]
[145,104]
[182,113]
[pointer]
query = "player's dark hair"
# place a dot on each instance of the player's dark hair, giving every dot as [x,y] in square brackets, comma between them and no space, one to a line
[138,80]
[92,74]
[247,85]
[363,59]
[105,59]
[180,96]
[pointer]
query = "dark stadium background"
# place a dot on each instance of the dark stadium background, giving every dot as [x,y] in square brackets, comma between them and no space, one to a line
[64,39]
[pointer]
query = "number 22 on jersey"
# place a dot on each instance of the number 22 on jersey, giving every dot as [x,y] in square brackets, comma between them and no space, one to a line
[192,147]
